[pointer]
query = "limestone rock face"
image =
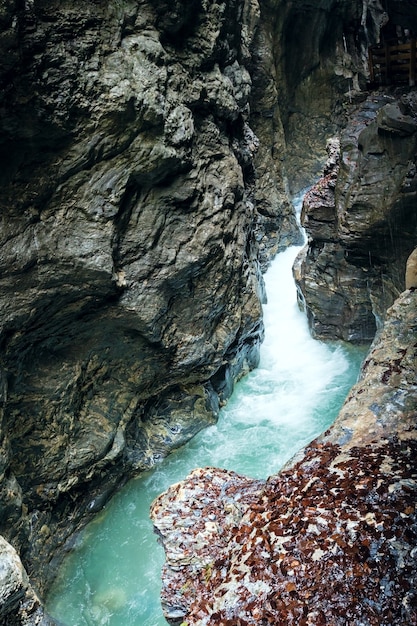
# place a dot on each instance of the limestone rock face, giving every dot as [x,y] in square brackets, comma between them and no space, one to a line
[361,222]
[332,538]
[319,69]
[130,288]
[19,604]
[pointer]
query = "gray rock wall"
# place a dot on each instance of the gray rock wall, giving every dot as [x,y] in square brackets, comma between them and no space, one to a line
[148,150]
[319,66]
[133,230]
[361,221]
[129,269]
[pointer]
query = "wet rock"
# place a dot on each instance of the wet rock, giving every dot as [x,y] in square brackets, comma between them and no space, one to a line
[391,119]
[331,539]
[335,295]
[322,73]
[14,581]
[130,274]
[318,215]
[19,605]
[146,149]
[361,223]
[188,408]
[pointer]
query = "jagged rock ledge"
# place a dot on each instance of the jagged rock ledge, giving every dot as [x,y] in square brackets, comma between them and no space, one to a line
[360,219]
[331,539]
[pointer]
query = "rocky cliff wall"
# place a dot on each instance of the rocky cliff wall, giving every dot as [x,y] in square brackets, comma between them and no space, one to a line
[148,151]
[319,64]
[133,230]
[361,220]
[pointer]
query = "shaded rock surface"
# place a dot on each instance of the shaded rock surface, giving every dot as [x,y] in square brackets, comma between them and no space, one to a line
[332,538]
[361,221]
[129,269]
[146,153]
[144,187]
[320,68]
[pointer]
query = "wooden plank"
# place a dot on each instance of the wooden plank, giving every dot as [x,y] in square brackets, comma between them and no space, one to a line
[394,63]
[371,66]
[400,56]
[400,47]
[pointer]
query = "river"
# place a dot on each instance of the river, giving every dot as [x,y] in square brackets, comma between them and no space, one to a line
[112,577]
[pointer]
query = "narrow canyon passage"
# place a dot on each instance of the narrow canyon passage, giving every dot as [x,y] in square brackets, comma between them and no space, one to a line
[112,577]
[151,150]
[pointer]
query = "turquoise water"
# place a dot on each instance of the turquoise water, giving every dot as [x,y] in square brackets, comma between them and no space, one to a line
[112,577]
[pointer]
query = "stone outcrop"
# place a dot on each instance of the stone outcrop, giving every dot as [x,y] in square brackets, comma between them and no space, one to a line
[144,188]
[19,604]
[130,280]
[146,148]
[361,221]
[332,538]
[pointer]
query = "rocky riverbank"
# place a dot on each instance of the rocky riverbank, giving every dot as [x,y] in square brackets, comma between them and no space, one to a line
[149,150]
[332,538]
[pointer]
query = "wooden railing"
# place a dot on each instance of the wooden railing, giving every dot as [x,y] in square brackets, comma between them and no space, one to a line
[391,64]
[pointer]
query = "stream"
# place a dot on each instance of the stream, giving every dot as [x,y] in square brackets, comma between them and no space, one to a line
[112,577]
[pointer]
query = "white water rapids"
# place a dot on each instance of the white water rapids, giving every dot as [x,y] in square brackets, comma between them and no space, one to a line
[112,578]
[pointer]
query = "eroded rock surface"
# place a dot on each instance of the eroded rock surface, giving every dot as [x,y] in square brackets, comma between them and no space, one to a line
[361,221]
[332,538]
[19,604]
[130,278]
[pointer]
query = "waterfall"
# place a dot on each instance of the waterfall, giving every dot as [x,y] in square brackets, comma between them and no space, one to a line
[112,577]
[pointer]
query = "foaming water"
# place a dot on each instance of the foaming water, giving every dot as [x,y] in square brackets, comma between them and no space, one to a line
[112,578]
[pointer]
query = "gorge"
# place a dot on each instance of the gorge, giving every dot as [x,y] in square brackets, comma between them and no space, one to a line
[113,574]
[149,152]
